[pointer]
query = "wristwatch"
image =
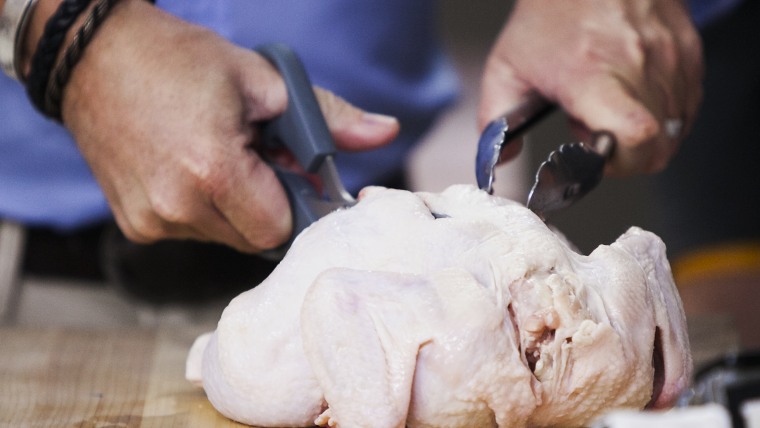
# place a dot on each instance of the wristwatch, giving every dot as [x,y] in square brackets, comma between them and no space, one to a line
[14,19]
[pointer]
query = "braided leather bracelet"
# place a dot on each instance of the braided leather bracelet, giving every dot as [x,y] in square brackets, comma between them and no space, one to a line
[46,92]
[48,48]
[61,74]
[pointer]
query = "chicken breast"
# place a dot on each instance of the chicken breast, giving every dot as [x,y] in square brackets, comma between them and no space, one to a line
[457,309]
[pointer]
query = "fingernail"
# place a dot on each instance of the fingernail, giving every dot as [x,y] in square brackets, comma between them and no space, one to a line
[379,119]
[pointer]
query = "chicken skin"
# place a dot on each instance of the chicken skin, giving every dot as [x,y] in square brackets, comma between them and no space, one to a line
[452,309]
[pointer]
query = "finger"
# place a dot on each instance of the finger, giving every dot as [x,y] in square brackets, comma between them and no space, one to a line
[500,92]
[690,67]
[663,90]
[263,91]
[125,208]
[194,218]
[354,128]
[217,228]
[125,226]
[183,213]
[603,103]
[141,225]
[674,93]
[660,88]
[660,151]
[253,202]
[208,201]
[141,221]
[210,225]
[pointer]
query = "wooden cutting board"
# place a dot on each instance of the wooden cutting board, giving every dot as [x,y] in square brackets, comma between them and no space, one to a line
[99,379]
[56,377]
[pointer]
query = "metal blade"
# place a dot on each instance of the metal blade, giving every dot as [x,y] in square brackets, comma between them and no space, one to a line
[489,149]
[569,173]
[333,186]
[503,130]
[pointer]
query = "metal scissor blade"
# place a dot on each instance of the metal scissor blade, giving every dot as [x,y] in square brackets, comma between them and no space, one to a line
[504,129]
[489,148]
[333,187]
[306,204]
[569,173]
[302,130]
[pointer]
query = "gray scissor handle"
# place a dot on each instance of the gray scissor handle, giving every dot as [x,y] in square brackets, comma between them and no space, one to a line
[299,191]
[302,129]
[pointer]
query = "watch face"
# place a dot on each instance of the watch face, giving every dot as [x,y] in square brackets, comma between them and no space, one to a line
[6,46]
[13,19]
[8,24]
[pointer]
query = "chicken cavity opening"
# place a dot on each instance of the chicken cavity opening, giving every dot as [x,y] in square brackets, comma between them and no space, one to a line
[658,363]
[533,353]
[534,333]
[536,303]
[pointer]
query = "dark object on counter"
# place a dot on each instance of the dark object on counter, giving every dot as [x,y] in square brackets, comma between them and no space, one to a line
[171,271]
[166,272]
[49,253]
[179,271]
[730,381]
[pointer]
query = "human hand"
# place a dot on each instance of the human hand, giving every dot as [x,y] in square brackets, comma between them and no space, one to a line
[165,112]
[633,68]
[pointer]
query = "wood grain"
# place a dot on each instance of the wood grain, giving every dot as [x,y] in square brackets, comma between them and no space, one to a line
[56,377]
[109,378]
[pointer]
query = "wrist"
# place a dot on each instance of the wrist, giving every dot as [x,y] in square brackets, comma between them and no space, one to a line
[121,15]
[37,20]
[43,12]
[62,44]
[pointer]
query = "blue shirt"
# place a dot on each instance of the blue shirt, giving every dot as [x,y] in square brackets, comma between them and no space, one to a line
[382,56]
[705,11]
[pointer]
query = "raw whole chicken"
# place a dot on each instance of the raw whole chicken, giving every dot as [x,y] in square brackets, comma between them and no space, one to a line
[457,309]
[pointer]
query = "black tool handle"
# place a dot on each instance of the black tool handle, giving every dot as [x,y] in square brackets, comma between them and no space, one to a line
[533,109]
[302,127]
[299,192]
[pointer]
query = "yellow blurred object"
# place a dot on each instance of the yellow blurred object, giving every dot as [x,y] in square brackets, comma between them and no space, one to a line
[716,261]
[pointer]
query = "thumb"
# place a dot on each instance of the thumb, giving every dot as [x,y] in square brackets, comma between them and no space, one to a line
[500,92]
[352,127]
[605,104]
